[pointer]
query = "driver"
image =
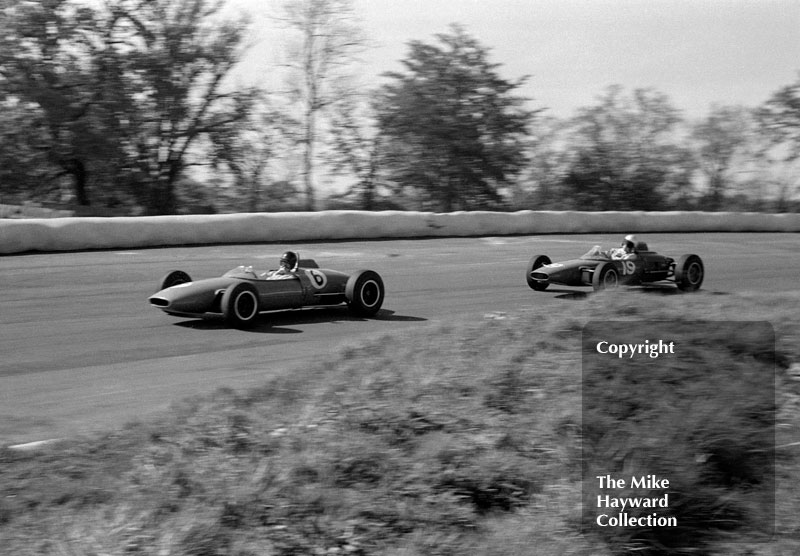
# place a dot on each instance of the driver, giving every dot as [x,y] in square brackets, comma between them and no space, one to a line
[626,249]
[288,266]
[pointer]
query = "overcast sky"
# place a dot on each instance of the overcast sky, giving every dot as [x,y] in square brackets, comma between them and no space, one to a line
[698,52]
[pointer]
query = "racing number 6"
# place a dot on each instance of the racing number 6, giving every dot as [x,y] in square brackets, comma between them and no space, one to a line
[317,278]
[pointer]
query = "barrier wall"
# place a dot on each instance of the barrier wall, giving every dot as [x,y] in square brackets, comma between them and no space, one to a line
[69,234]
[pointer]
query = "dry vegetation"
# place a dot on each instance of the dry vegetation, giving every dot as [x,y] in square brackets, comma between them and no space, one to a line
[458,439]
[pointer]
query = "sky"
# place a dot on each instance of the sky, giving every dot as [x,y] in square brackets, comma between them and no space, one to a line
[697,52]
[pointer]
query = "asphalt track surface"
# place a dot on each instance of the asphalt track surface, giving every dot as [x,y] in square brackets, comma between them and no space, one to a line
[82,350]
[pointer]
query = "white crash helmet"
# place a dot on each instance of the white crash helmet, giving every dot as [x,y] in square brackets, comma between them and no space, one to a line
[629,241]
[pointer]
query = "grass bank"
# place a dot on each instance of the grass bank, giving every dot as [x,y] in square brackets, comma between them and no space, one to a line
[456,439]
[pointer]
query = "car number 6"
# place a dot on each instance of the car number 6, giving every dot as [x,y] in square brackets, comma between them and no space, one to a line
[318,279]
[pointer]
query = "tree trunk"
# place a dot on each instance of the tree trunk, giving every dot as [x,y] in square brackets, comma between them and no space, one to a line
[717,187]
[368,195]
[77,169]
[162,199]
[162,190]
[308,158]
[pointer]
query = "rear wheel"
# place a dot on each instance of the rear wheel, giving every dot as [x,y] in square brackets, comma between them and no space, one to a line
[533,264]
[240,305]
[689,273]
[605,276]
[174,278]
[364,292]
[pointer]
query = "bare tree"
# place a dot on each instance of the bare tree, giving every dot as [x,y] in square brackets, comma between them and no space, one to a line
[780,119]
[247,151]
[178,55]
[125,89]
[53,80]
[722,139]
[627,153]
[549,160]
[357,146]
[328,41]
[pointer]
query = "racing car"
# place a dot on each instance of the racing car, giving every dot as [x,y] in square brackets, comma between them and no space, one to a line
[239,295]
[597,269]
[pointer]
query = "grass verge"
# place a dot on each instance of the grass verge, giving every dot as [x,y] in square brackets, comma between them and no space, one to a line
[458,439]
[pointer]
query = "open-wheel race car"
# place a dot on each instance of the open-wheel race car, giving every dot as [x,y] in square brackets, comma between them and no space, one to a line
[239,295]
[601,270]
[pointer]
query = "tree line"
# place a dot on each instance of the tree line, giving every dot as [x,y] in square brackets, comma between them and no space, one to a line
[132,107]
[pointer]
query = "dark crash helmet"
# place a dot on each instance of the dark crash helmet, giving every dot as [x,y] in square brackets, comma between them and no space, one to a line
[290,260]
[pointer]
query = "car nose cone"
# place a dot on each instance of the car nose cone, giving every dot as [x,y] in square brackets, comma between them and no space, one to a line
[159,302]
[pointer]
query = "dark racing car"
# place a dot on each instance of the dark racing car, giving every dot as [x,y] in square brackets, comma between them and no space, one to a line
[598,269]
[241,294]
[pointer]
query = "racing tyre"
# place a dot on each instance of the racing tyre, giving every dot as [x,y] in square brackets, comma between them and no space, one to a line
[240,305]
[605,276]
[689,273]
[174,278]
[364,292]
[536,262]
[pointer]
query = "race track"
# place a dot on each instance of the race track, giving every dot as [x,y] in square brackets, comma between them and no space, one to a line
[83,351]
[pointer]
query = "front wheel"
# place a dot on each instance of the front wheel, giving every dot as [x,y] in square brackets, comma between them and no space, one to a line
[533,264]
[240,305]
[364,292]
[605,276]
[689,273]
[174,278]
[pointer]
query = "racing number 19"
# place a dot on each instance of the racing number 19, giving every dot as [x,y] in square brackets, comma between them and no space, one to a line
[628,267]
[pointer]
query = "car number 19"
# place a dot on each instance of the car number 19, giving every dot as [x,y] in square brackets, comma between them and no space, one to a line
[628,267]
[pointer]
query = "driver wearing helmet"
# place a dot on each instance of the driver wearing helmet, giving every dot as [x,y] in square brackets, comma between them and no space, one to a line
[288,266]
[626,250]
